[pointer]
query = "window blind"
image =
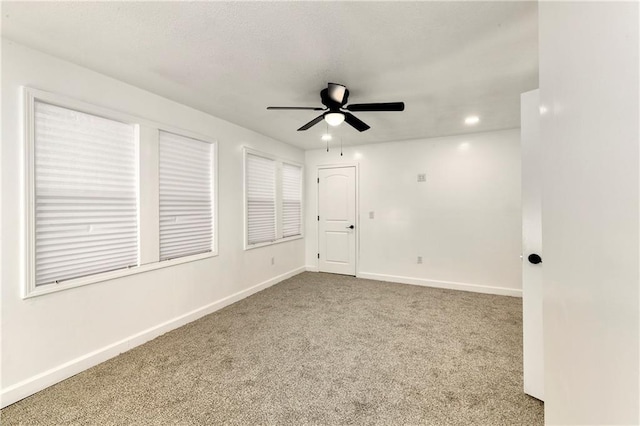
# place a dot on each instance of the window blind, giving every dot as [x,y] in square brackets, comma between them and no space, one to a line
[86,215]
[291,200]
[261,199]
[186,193]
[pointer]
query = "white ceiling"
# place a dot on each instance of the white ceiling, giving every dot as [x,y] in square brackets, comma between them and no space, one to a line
[445,60]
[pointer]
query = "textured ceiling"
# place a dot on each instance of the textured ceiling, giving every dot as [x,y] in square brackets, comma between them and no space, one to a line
[445,60]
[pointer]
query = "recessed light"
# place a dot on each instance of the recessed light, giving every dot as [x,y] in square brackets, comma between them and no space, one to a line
[326,137]
[470,121]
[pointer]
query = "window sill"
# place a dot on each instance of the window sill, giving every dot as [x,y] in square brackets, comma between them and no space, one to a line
[270,243]
[111,275]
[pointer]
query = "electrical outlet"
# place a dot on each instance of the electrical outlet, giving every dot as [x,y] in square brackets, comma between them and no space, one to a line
[273,260]
[419,260]
[422,177]
[372,215]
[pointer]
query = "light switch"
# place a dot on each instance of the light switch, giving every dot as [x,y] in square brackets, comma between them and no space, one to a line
[371,215]
[422,177]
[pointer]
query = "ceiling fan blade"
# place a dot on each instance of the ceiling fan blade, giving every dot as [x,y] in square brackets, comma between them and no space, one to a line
[312,123]
[337,93]
[382,106]
[358,124]
[290,108]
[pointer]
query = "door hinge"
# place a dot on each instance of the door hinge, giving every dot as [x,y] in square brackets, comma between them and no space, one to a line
[318,217]
[318,180]
[318,255]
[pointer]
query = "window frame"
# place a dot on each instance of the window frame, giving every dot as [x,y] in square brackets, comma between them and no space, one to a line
[214,194]
[290,163]
[279,232]
[145,248]
[159,127]
[246,198]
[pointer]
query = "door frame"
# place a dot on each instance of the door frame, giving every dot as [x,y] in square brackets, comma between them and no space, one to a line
[357,206]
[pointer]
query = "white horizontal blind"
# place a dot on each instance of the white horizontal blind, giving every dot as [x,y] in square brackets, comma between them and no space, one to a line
[86,214]
[291,200]
[261,199]
[186,194]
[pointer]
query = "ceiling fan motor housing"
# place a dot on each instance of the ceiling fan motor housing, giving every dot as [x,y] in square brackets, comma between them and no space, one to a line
[332,104]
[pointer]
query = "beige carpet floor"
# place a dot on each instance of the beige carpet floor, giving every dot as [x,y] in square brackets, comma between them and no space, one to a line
[314,349]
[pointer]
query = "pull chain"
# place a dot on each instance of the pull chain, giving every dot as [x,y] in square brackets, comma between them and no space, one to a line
[327,137]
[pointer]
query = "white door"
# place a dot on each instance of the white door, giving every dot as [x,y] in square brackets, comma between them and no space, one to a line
[337,220]
[532,245]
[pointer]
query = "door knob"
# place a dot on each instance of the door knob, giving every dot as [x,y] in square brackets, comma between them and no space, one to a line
[534,258]
[350,227]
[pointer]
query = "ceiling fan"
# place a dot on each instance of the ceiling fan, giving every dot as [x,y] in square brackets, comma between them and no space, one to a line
[334,98]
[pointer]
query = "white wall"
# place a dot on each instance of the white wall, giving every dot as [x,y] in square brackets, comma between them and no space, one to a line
[48,338]
[464,220]
[589,83]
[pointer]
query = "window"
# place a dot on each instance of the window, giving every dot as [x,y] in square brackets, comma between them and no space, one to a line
[273,199]
[261,199]
[110,195]
[186,187]
[85,197]
[291,200]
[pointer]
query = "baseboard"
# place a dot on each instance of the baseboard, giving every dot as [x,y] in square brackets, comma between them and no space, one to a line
[311,268]
[476,288]
[50,377]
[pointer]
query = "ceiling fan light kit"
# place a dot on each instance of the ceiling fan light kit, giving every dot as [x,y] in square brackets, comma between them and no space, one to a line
[334,98]
[334,118]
